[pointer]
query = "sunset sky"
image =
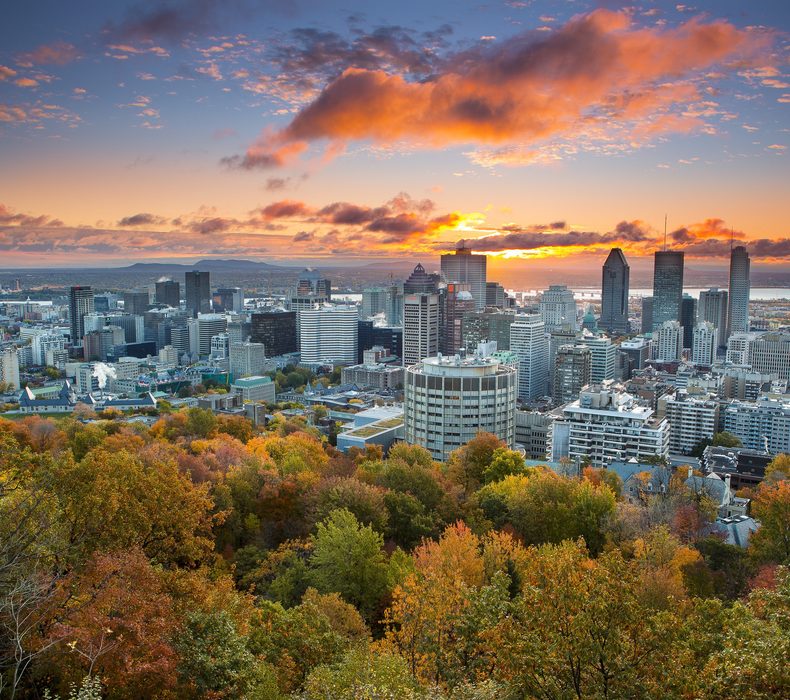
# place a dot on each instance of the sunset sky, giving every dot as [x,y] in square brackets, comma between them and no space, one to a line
[283,131]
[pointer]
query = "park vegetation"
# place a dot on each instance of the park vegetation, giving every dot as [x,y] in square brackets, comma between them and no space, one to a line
[201,557]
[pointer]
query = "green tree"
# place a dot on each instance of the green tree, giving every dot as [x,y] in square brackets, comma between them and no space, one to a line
[348,559]
[504,462]
[725,439]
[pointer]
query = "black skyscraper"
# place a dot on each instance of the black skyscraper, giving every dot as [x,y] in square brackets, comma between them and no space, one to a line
[276,330]
[667,286]
[688,318]
[168,292]
[198,292]
[614,293]
[80,303]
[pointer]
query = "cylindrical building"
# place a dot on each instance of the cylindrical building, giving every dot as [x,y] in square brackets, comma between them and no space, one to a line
[448,400]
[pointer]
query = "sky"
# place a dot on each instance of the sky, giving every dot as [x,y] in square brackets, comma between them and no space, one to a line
[285,130]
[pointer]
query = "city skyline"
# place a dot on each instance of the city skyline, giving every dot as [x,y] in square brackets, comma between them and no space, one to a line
[183,131]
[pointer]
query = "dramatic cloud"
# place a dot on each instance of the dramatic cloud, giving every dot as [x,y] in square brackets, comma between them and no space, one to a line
[141,220]
[591,77]
[58,54]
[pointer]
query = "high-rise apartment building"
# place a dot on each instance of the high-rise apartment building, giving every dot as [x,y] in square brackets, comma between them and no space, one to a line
[740,287]
[572,371]
[704,344]
[168,292]
[763,425]
[667,286]
[197,286]
[691,420]
[606,425]
[614,293]
[9,368]
[467,268]
[668,342]
[529,342]
[449,400]
[603,356]
[558,308]
[80,303]
[712,308]
[329,335]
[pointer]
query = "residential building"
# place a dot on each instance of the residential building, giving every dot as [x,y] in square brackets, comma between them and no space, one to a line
[668,346]
[614,293]
[606,424]
[449,400]
[572,372]
[465,267]
[603,356]
[704,344]
[763,425]
[691,420]
[667,286]
[9,368]
[532,432]
[529,342]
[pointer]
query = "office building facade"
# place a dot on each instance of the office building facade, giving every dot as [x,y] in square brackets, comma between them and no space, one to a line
[197,289]
[615,286]
[667,286]
[465,267]
[740,289]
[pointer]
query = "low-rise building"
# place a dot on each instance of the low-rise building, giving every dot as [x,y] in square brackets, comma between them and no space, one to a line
[254,389]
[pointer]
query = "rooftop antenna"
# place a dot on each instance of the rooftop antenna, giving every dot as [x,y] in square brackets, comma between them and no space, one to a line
[665,231]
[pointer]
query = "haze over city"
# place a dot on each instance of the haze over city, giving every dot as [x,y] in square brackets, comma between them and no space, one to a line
[311,131]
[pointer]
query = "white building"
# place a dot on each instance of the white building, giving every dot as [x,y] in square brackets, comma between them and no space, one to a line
[329,334]
[769,353]
[420,327]
[529,342]
[9,368]
[691,420]
[668,345]
[763,425]
[558,308]
[449,400]
[168,356]
[206,327]
[247,359]
[606,424]
[738,346]
[220,346]
[705,341]
[603,356]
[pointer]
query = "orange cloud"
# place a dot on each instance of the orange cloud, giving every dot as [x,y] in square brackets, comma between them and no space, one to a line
[597,70]
[58,54]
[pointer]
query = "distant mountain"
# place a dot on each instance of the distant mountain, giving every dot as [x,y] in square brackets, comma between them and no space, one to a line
[208,265]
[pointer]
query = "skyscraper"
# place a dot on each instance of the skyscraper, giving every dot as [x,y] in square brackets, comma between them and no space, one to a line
[667,286]
[168,292]
[467,268]
[80,303]
[712,308]
[647,315]
[229,299]
[329,334]
[528,341]
[311,283]
[136,301]
[614,293]
[740,286]
[558,308]
[688,319]
[704,344]
[457,301]
[198,292]
[421,316]
[572,371]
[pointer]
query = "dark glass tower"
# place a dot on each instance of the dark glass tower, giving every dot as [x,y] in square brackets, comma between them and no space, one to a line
[740,287]
[614,293]
[688,318]
[667,287]
[198,292]
[80,303]
[168,292]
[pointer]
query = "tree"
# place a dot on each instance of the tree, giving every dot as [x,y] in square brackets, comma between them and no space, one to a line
[771,507]
[504,462]
[366,502]
[467,464]
[215,662]
[348,559]
[725,439]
